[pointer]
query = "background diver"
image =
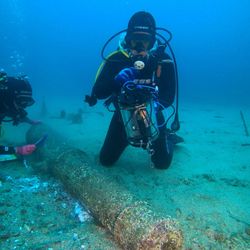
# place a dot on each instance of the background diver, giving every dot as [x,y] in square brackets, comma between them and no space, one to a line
[15,97]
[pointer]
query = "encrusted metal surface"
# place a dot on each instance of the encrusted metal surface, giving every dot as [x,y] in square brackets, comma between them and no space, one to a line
[133,223]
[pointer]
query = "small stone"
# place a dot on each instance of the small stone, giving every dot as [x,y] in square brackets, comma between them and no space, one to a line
[219,237]
[7,190]
[75,236]
[3,212]
[208,177]
[64,205]
[190,217]
[27,227]
[23,211]
[178,212]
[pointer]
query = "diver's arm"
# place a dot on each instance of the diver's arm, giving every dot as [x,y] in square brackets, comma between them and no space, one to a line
[22,117]
[167,82]
[105,84]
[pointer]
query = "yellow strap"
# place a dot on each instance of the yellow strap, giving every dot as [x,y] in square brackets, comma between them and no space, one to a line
[103,63]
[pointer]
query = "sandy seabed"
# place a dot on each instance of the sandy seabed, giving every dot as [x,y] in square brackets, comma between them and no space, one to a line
[206,188]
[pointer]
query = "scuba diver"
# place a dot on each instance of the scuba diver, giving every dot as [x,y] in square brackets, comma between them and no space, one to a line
[15,97]
[140,79]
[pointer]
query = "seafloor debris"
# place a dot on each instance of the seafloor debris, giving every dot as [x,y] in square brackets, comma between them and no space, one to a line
[76,118]
[36,213]
[244,123]
[81,213]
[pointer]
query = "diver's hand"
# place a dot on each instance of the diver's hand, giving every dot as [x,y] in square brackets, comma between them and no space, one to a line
[125,75]
[26,149]
[91,100]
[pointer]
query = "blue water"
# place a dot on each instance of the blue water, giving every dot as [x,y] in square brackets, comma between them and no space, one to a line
[58,43]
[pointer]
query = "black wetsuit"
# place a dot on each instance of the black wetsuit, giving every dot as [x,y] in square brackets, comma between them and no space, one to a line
[4,150]
[7,107]
[8,110]
[105,85]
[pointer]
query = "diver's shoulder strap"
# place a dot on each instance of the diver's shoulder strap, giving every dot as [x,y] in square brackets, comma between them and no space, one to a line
[116,55]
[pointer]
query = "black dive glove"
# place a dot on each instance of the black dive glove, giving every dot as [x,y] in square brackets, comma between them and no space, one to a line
[91,100]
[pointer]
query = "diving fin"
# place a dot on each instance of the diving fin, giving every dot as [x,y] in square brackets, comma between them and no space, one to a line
[174,138]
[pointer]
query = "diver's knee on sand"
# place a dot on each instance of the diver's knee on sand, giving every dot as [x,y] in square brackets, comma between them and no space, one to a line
[106,161]
[163,157]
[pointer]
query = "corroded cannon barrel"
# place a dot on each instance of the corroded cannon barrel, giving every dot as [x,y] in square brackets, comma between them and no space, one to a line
[133,223]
